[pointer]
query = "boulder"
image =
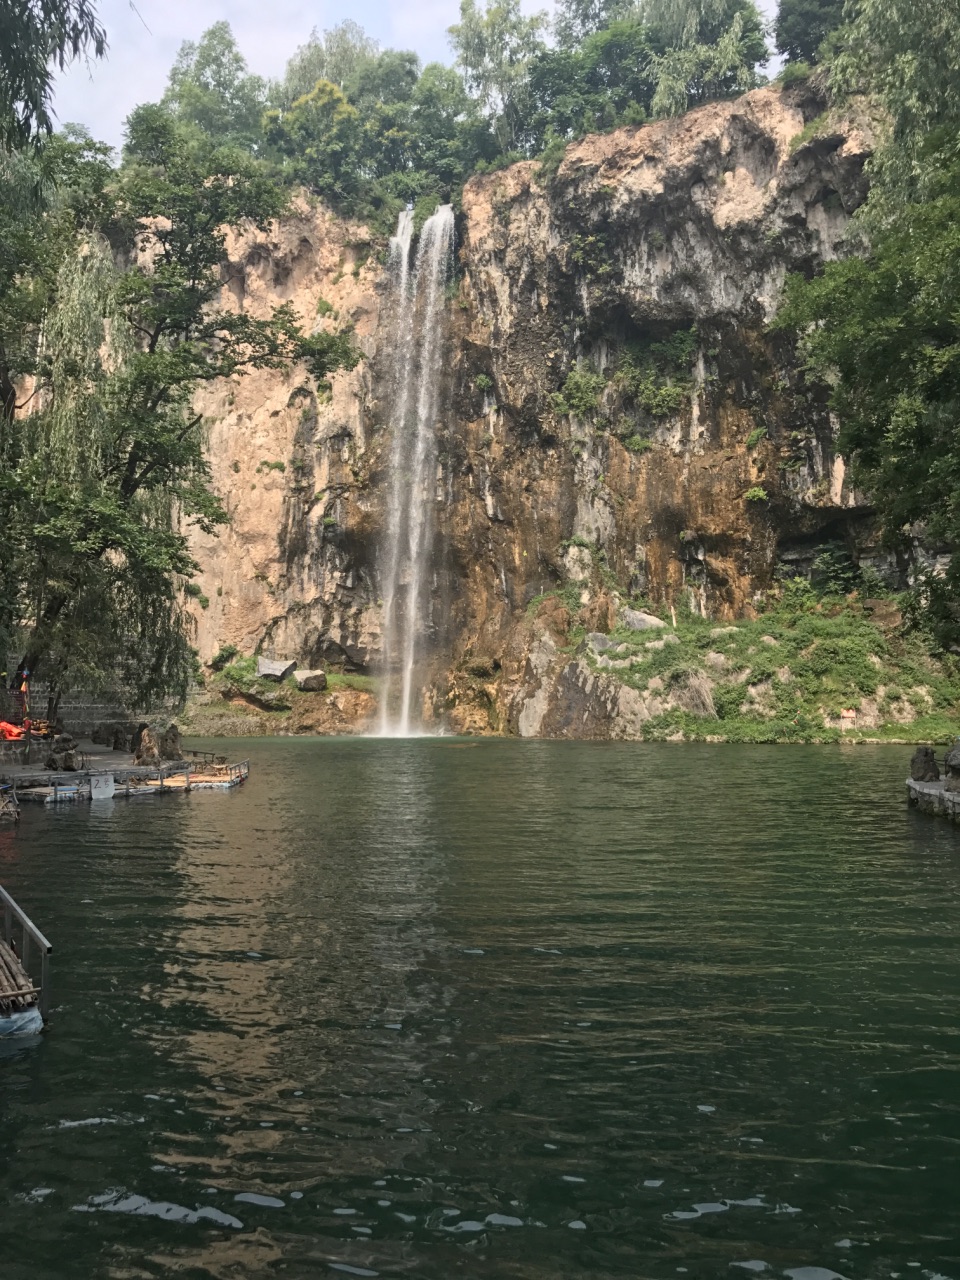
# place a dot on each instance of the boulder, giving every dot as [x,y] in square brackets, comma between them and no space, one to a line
[637,620]
[310,681]
[169,744]
[148,749]
[952,765]
[598,642]
[923,766]
[269,699]
[267,669]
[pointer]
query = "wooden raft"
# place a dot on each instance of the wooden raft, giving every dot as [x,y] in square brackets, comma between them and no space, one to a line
[17,992]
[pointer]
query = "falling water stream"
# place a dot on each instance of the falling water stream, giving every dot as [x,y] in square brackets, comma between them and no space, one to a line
[416,368]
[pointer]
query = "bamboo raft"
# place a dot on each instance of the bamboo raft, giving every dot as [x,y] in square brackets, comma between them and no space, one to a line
[23,1002]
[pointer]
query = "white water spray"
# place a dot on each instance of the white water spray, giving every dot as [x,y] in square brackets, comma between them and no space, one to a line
[416,370]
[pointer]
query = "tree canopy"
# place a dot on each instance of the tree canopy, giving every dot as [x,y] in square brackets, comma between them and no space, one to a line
[111,317]
[36,37]
[882,329]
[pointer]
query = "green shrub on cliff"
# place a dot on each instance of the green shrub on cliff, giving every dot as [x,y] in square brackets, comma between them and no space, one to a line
[580,394]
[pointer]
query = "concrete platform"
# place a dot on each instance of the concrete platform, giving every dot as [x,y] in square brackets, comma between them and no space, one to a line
[932,797]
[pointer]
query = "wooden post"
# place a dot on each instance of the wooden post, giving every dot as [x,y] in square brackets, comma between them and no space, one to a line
[44,984]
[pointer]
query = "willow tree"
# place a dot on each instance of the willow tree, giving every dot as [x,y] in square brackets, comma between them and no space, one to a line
[111,472]
[36,37]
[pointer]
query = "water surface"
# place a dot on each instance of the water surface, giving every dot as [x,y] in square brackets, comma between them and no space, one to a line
[493,1009]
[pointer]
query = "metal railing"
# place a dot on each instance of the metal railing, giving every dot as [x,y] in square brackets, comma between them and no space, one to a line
[31,938]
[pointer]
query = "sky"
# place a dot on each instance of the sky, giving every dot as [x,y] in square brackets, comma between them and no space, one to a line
[144,41]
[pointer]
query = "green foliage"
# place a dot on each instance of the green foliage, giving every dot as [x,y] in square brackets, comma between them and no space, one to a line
[802,26]
[211,92]
[709,51]
[580,394]
[318,141]
[794,73]
[493,49]
[884,332]
[755,436]
[107,473]
[226,653]
[906,54]
[756,493]
[483,382]
[324,308]
[655,376]
[369,130]
[240,674]
[351,680]
[779,677]
[638,444]
[834,572]
[37,36]
[812,129]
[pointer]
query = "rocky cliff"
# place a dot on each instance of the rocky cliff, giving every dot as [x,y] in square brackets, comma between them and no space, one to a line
[619,423]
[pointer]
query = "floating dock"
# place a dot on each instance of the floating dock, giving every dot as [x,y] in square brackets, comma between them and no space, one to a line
[23,948]
[932,797]
[137,781]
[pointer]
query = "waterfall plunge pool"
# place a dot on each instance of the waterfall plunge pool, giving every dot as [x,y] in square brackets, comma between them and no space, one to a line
[436,1007]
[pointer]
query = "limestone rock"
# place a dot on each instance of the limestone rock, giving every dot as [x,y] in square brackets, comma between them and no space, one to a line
[702,216]
[637,620]
[269,699]
[169,744]
[923,766]
[599,642]
[310,681]
[267,669]
[952,766]
[147,749]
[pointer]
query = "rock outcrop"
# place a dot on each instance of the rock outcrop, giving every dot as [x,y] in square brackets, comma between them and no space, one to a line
[660,249]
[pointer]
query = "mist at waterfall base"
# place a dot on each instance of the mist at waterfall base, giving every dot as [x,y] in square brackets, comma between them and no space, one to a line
[415,378]
[492,1010]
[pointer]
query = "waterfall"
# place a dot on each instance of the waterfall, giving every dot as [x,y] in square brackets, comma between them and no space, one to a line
[415,379]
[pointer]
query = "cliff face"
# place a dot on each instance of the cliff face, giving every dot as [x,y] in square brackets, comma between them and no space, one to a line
[648,268]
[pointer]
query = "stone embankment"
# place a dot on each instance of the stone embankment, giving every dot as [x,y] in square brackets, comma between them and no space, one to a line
[930,792]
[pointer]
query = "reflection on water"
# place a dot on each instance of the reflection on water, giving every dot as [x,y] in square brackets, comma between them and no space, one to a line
[531,1010]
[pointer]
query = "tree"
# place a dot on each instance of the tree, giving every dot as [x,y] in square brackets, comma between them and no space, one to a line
[449,132]
[575,20]
[319,141]
[494,49]
[803,25]
[906,55]
[37,36]
[675,24]
[703,49]
[883,330]
[212,92]
[109,469]
[884,333]
[605,82]
[337,56]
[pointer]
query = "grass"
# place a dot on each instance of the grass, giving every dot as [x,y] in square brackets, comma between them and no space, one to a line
[778,677]
[351,680]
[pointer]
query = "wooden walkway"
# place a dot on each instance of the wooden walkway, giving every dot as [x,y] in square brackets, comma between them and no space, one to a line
[17,992]
[23,950]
